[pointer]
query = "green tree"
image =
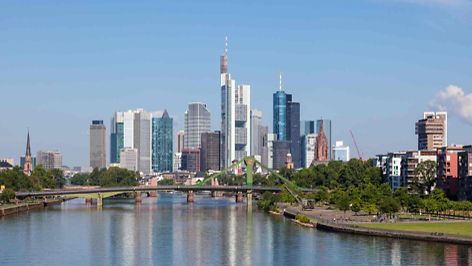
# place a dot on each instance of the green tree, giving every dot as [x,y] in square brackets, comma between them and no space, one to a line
[389,206]
[58,177]
[356,206]
[370,208]
[425,177]
[343,202]
[401,195]
[166,182]
[7,195]
[414,204]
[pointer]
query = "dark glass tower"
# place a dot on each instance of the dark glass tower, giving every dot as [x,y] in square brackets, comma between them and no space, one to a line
[280,114]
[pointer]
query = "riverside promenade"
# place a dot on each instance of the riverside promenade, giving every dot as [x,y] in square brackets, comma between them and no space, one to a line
[336,221]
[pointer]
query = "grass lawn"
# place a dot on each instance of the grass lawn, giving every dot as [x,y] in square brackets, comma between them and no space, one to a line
[457,228]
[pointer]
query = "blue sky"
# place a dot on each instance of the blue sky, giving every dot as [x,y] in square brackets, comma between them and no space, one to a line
[372,66]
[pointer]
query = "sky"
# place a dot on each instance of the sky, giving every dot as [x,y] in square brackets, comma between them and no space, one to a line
[371,66]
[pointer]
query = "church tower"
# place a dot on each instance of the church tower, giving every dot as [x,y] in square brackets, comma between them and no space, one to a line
[28,166]
[321,148]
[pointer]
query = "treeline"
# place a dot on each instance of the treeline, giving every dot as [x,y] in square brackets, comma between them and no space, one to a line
[111,177]
[39,179]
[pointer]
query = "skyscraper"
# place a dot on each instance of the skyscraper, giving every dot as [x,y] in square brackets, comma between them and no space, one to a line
[287,122]
[432,131]
[28,163]
[309,146]
[197,121]
[293,132]
[116,137]
[142,139]
[280,112]
[281,148]
[256,140]
[162,143]
[191,160]
[235,115]
[180,141]
[307,127]
[98,146]
[129,159]
[327,132]
[210,156]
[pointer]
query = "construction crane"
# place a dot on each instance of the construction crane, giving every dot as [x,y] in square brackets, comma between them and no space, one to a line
[361,155]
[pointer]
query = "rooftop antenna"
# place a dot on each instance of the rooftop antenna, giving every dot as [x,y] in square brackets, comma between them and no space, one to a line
[280,81]
[226,45]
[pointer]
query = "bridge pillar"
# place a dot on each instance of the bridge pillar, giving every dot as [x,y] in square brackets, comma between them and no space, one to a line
[249,198]
[137,197]
[239,196]
[190,196]
[99,201]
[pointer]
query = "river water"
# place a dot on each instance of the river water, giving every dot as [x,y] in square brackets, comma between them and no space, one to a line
[168,231]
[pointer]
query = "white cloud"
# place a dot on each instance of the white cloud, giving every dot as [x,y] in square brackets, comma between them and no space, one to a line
[454,100]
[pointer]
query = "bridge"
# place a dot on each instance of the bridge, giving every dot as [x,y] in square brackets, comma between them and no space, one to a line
[100,193]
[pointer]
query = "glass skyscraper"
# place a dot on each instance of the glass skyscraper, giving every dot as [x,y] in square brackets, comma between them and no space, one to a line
[280,115]
[116,137]
[162,143]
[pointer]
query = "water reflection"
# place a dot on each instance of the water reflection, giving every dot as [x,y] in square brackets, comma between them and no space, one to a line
[168,231]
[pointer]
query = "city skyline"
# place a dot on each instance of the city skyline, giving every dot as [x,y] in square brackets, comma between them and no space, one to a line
[65,97]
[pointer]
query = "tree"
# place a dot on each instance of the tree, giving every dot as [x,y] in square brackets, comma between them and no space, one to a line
[425,177]
[343,202]
[166,182]
[389,206]
[414,204]
[58,177]
[7,195]
[370,208]
[356,206]
[402,196]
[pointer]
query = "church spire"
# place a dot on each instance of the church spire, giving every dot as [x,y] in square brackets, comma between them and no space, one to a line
[28,147]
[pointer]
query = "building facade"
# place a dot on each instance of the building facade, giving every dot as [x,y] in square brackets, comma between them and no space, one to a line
[341,152]
[197,121]
[180,141]
[49,159]
[448,170]
[116,137]
[432,131]
[97,145]
[28,161]
[142,137]
[191,160]
[309,145]
[129,159]
[281,148]
[271,138]
[210,151]
[162,143]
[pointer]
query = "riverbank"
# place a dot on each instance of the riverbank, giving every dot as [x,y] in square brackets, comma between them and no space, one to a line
[372,229]
[24,207]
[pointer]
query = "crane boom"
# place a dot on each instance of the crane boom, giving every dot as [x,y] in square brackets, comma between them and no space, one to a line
[361,156]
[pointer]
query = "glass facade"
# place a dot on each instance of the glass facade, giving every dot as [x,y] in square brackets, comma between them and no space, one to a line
[162,143]
[280,115]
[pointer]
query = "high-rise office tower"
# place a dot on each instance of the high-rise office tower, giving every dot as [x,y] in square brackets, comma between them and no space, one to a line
[210,151]
[432,131]
[258,133]
[327,132]
[98,146]
[180,141]
[49,159]
[293,132]
[280,112]
[287,122]
[116,137]
[191,160]
[162,143]
[28,162]
[142,139]
[235,115]
[271,138]
[307,127]
[197,121]
[281,148]
[309,145]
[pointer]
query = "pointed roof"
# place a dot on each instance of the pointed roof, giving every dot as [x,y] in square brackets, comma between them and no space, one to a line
[28,148]
[166,114]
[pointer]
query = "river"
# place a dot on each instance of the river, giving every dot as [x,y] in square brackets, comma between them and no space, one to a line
[168,231]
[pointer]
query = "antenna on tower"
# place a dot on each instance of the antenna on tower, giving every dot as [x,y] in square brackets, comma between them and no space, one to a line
[280,81]
[226,45]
